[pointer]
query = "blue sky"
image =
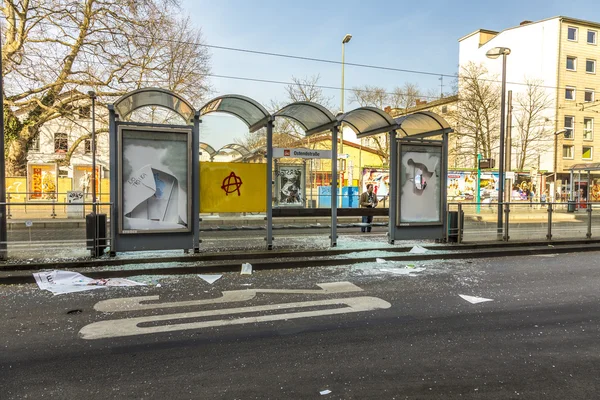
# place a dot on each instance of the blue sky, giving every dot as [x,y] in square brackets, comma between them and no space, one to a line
[400,34]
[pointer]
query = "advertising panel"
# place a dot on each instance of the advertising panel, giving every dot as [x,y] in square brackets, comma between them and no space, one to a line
[154,180]
[233,187]
[420,184]
[380,179]
[42,181]
[82,179]
[290,183]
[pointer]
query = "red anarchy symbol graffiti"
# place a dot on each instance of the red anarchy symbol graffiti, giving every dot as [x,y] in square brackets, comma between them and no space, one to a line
[231,184]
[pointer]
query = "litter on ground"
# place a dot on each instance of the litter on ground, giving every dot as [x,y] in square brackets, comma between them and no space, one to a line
[61,282]
[325,392]
[211,278]
[474,299]
[418,250]
[246,269]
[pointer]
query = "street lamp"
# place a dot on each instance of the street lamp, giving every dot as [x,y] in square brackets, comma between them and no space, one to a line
[562,131]
[493,54]
[345,40]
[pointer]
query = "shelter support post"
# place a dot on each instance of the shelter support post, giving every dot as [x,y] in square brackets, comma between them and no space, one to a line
[393,188]
[114,210]
[334,176]
[269,237]
[572,187]
[196,197]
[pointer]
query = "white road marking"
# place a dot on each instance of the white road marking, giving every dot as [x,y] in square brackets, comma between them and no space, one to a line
[129,326]
[138,303]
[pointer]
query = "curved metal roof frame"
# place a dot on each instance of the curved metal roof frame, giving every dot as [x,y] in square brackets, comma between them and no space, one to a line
[248,110]
[243,151]
[312,117]
[586,167]
[423,124]
[368,121]
[208,148]
[148,97]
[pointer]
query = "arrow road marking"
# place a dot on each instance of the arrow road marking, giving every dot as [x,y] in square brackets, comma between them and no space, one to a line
[130,326]
[139,303]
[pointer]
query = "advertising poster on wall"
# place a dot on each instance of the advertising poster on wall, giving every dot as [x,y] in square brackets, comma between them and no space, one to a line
[154,180]
[82,179]
[42,181]
[462,185]
[290,184]
[380,179]
[420,184]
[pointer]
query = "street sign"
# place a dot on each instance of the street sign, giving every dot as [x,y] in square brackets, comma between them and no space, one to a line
[28,224]
[279,152]
[487,163]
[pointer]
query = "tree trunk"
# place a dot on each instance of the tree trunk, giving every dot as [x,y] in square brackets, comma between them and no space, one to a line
[16,160]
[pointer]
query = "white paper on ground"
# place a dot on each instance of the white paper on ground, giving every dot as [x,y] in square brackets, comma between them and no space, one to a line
[61,282]
[474,300]
[246,269]
[380,260]
[324,392]
[402,271]
[418,250]
[210,278]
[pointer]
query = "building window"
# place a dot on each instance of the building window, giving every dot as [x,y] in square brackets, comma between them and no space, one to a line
[570,93]
[589,95]
[444,109]
[87,146]
[588,128]
[61,142]
[572,63]
[590,66]
[572,33]
[586,152]
[569,123]
[568,151]
[35,143]
[591,37]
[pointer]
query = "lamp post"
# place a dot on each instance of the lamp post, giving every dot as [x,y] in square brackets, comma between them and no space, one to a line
[3,233]
[493,54]
[92,95]
[345,40]
[562,131]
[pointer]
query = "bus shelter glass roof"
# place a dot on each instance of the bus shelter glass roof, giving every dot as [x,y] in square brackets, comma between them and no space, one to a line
[207,148]
[422,124]
[253,114]
[149,97]
[312,117]
[586,167]
[367,121]
[235,147]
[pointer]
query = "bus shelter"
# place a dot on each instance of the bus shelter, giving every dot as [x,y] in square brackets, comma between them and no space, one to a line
[418,146]
[154,179]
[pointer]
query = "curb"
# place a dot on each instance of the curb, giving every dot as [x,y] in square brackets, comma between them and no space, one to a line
[25,276]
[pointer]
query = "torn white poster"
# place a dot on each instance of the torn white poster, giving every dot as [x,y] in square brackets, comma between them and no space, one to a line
[61,282]
[210,278]
[474,300]
[418,250]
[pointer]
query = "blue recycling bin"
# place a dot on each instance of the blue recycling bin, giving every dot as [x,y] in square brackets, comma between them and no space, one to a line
[350,197]
[324,196]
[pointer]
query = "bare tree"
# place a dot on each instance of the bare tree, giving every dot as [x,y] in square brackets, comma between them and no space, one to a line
[56,50]
[478,112]
[532,133]
[406,96]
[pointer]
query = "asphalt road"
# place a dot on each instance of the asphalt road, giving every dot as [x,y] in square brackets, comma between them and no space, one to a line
[537,339]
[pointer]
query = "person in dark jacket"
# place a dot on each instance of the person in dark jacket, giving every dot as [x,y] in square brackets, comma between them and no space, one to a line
[368,200]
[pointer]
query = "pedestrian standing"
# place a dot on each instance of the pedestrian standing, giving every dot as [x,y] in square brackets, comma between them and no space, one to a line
[368,200]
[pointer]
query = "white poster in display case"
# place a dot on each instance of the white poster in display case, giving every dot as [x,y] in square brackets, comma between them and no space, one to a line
[420,184]
[290,184]
[155,180]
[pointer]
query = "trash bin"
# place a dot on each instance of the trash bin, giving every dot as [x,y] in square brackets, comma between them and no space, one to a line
[571,206]
[90,228]
[453,226]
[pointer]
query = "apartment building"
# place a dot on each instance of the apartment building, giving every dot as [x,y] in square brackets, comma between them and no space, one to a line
[561,54]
